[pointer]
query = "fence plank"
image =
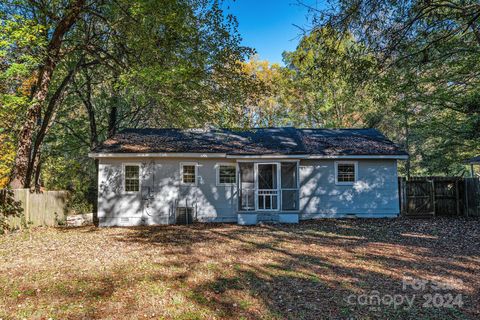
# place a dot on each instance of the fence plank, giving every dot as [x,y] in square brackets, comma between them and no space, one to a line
[419,197]
[443,196]
[40,209]
[55,208]
[472,196]
[22,196]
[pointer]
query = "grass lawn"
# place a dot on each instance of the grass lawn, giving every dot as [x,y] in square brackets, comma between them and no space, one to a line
[314,270]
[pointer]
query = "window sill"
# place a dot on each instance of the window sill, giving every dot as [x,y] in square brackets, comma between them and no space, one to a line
[344,183]
[226,184]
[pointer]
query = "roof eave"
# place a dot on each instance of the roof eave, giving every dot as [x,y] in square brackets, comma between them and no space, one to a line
[97,155]
[352,156]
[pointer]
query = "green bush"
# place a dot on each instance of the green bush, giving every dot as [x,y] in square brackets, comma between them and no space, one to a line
[9,207]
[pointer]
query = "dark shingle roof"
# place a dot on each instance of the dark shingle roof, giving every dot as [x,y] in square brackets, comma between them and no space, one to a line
[259,141]
[474,160]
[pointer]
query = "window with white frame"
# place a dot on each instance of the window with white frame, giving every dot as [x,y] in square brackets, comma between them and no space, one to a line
[226,174]
[132,178]
[189,173]
[345,172]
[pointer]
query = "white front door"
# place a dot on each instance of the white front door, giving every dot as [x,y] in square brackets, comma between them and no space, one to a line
[267,186]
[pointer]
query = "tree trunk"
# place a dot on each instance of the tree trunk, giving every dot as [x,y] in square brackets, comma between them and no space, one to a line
[23,157]
[91,113]
[20,175]
[87,102]
[37,181]
[34,163]
[112,120]
[407,146]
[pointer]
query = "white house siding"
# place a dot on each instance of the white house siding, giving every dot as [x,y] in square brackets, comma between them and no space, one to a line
[162,177]
[375,194]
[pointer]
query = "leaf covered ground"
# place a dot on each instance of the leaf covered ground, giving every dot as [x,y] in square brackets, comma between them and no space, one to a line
[314,270]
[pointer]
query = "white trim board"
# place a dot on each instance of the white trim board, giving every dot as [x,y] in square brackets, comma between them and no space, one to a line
[156,155]
[281,157]
[223,155]
[398,157]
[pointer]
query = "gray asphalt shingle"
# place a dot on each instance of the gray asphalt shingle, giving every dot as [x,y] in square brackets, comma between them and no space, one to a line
[474,160]
[261,141]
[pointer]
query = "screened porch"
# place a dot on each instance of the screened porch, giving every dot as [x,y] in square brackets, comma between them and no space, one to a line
[268,186]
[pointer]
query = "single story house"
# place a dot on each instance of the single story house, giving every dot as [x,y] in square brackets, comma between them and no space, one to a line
[166,176]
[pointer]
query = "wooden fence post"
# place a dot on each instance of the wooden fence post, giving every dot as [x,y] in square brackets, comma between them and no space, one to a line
[465,190]
[434,199]
[457,197]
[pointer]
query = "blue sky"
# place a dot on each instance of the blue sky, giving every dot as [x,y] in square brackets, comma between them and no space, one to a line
[268,25]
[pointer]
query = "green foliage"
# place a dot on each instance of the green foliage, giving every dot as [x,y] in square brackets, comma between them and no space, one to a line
[21,42]
[74,175]
[427,53]
[177,61]
[407,68]
[186,66]
[263,99]
[6,158]
[329,75]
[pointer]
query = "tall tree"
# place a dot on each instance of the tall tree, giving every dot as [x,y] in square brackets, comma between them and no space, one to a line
[21,45]
[428,52]
[329,75]
[123,61]
[59,23]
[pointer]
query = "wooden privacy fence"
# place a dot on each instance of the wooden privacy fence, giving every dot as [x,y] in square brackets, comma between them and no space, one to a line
[40,209]
[472,196]
[439,196]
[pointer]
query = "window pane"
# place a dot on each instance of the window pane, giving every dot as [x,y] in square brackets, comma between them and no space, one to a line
[131,172]
[289,175]
[132,185]
[346,172]
[267,176]
[289,199]
[227,174]
[188,174]
[246,172]
[274,200]
[247,193]
[189,170]
[132,178]
[247,197]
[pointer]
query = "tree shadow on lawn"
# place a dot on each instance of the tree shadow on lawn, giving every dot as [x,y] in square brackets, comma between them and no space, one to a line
[311,270]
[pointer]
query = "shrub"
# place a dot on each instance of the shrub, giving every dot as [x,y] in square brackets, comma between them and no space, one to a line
[9,207]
